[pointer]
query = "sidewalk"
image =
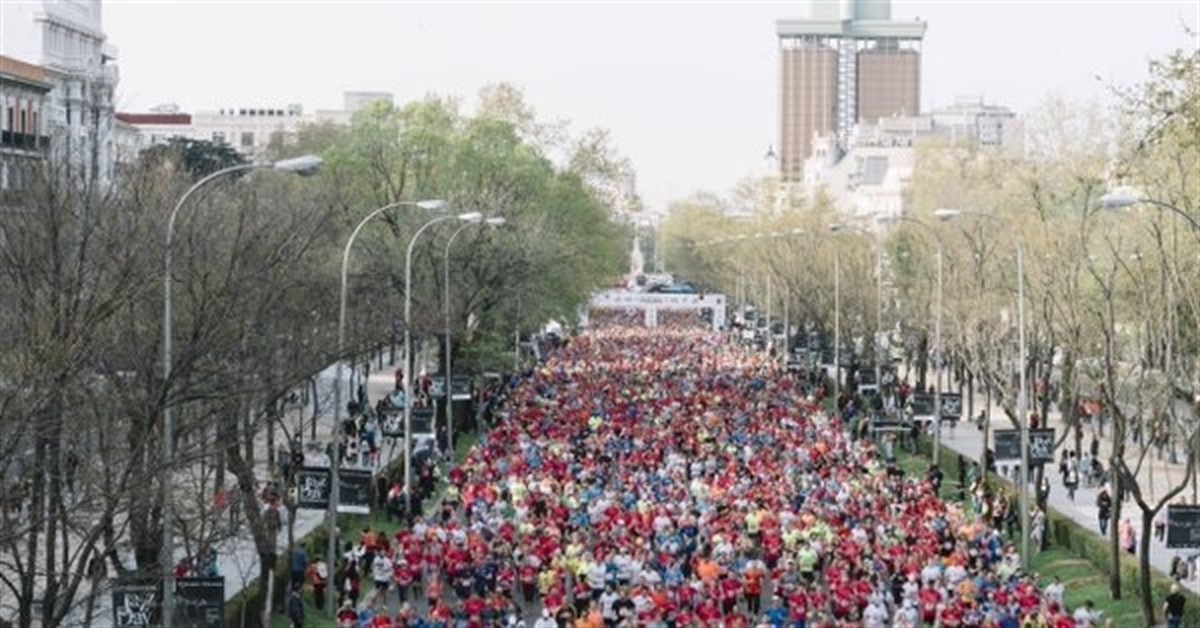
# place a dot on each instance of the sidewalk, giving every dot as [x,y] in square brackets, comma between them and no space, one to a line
[1156,478]
[237,559]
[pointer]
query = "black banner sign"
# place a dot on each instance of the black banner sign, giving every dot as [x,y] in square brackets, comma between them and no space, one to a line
[422,421]
[889,426]
[312,488]
[354,491]
[1041,445]
[137,602]
[922,405]
[200,602]
[951,406]
[1183,527]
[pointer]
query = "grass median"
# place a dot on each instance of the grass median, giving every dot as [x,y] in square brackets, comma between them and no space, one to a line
[377,520]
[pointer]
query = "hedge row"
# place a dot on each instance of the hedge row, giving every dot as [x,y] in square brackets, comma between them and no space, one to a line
[1065,533]
[253,598]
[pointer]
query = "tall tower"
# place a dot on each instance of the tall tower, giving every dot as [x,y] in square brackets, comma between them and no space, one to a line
[842,63]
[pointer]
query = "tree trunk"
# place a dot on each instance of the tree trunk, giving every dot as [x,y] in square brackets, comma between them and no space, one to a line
[922,362]
[1114,544]
[1145,599]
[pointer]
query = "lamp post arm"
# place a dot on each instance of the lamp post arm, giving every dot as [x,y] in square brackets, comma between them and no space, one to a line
[1191,220]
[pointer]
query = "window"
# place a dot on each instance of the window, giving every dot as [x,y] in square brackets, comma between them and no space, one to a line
[247,139]
[24,127]
[9,127]
[218,137]
[34,127]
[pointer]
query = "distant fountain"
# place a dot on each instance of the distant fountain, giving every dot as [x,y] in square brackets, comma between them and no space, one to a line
[637,262]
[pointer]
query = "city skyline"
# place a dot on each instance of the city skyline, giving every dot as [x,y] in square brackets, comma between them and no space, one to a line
[659,90]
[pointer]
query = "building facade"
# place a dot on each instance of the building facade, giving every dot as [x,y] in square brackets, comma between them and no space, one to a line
[23,139]
[842,63]
[252,131]
[67,40]
[868,179]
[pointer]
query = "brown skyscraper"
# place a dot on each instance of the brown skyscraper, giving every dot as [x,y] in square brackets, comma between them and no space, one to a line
[846,62]
[808,95]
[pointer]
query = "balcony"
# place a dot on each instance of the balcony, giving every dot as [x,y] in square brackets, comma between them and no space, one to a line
[24,141]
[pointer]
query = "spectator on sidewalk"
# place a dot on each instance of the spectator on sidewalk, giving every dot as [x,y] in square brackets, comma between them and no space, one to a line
[1103,509]
[295,607]
[299,564]
[1071,481]
[318,577]
[1128,537]
[1173,607]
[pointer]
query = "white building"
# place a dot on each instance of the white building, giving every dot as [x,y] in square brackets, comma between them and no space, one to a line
[352,102]
[66,38]
[139,131]
[249,130]
[870,181]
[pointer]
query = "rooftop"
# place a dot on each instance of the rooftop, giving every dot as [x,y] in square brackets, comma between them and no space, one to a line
[155,118]
[22,71]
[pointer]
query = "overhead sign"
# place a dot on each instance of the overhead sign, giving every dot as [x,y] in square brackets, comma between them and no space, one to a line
[1041,445]
[951,406]
[312,488]
[880,425]
[422,421]
[922,405]
[200,602]
[354,491]
[1183,527]
[137,602]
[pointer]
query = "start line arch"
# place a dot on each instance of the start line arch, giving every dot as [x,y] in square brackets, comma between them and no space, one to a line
[653,305]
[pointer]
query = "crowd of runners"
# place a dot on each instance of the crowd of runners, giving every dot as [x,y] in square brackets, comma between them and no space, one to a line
[668,477]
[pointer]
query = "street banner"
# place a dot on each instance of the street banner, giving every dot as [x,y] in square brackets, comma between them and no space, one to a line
[200,602]
[312,488]
[1183,527]
[1008,445]
[422,421]
[354,491]
[922,406]
[951,406]
[883,425]
[137,602]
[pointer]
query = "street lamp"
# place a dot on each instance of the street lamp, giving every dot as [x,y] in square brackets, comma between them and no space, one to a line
[1121,199]
[842,227]
[336,453]
[1022,402]
[303,166]
[942,215]
[408,360]
[475,220]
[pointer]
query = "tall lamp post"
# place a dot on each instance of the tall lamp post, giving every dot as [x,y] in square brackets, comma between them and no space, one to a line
[491,222]
[408,360]
[843,227]
[937,327]
[787,294]
[1022,399]
[304,166]
[336,453]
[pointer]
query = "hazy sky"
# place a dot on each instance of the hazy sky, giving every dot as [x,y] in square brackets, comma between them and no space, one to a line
[688,90]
